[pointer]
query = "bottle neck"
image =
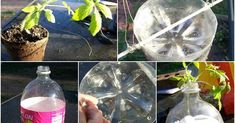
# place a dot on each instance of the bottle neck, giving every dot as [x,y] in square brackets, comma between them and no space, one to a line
[191,91]
[188,100]
[191,96]
[43,76]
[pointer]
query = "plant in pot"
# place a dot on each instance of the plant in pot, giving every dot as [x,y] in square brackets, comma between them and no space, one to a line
[27,41]
[192,109]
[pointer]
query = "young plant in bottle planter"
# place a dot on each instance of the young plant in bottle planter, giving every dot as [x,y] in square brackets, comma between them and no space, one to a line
[192,109]
[28,40]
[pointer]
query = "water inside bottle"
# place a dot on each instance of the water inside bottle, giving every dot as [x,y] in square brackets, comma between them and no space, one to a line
[198,119]
[43,104]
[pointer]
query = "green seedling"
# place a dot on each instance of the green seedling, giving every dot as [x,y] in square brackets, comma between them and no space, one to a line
[216,90]
[34,12]
[91,7]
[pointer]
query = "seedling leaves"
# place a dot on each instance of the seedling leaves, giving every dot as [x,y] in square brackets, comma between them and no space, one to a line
[49,15]
[105,10]
[82,12]
[96,23]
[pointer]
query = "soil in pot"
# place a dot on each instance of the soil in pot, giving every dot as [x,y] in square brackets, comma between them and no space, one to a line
[25,46]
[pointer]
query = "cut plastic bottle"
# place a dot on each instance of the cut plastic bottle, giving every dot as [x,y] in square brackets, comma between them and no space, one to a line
[125,93]
[43,100]
[188,41]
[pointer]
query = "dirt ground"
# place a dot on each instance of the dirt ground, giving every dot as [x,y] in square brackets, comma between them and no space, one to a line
[10,7]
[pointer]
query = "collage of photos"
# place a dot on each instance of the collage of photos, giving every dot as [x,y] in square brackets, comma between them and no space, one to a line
[117,61]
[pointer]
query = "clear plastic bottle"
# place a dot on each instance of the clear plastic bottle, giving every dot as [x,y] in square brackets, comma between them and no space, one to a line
[192,109]
[188,41]
[125,93]
[43,100]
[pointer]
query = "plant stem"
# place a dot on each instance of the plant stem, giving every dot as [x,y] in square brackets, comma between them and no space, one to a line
[58,6]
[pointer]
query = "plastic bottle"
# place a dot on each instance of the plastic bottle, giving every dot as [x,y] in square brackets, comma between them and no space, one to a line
[192,109]
[189,41]
[43,100]
[124,91]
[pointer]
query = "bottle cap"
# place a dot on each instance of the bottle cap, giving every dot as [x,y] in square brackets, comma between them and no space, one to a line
[43,70]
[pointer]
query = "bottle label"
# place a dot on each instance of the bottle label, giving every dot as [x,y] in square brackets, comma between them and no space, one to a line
[29,116]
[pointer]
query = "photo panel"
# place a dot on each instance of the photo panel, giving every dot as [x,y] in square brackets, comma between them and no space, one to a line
[123,91]
[58,30]
[39,92]
[198,92]
[171,30]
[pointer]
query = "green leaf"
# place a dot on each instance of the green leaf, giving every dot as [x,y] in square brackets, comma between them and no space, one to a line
[38,6]
[26,19]
[105,10]
[176,78]
[29,9]
[31,20]
[96,23]
[82,12]
[89,2]
[49,15]
[196,64]
[184,65]
[217,93]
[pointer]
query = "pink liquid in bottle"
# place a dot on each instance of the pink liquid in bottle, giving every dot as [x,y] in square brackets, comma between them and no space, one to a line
[42,110]
[42,100]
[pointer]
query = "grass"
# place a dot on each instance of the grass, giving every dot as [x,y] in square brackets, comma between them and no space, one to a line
[121,43]
[221,8]
[7,14]
[220,36]
[138,55]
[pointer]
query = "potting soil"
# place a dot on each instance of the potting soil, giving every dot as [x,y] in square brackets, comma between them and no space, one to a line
[14,34]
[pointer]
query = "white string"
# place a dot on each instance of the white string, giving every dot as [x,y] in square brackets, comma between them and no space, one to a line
[125,33]
[138,46]
[132,19]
